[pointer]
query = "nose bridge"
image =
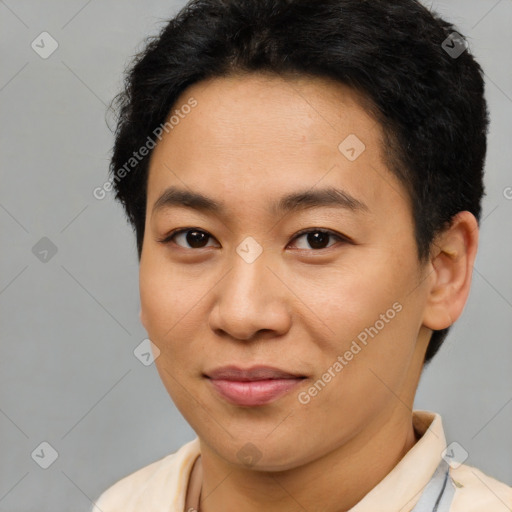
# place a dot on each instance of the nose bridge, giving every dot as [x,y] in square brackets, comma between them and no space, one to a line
[249,275]
[250,298]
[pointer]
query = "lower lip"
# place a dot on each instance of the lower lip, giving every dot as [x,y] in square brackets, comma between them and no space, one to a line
[253,393]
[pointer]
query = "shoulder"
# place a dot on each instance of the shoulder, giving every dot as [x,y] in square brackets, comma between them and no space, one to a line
[477,492]
[152,488]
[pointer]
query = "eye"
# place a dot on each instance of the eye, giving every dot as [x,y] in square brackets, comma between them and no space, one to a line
[196,238]
[318,238]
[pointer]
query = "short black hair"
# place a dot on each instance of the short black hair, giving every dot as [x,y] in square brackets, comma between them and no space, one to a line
[427,96]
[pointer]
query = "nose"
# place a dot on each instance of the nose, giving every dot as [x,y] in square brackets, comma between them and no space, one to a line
[251,301]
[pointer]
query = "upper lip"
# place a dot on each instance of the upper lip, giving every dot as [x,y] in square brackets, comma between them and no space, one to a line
[253,373]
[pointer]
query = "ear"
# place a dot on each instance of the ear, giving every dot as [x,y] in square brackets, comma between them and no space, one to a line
[452,257]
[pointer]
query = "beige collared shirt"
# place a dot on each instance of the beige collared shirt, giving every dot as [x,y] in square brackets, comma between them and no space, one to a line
[162,485]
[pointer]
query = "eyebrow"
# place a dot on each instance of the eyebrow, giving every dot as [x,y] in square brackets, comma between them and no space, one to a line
[300,200]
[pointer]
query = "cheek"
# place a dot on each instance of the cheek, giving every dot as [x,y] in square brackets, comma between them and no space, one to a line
[172,308]
[373,316]
[353,298]
[157,301]
[381,354]
[165,294]
[163,309]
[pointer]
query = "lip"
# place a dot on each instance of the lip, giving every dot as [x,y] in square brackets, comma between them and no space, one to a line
[255,386]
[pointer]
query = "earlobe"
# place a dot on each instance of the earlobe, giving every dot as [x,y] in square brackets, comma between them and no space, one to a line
[453,256]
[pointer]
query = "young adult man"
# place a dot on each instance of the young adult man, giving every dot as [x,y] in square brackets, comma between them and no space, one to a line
[305,191]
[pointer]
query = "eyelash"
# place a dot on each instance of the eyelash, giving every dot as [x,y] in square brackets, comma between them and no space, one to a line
[168,238]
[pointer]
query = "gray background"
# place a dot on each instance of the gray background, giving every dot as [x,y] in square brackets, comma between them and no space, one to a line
[69,325]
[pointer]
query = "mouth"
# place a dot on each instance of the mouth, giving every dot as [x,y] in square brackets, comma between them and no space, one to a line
[250,387]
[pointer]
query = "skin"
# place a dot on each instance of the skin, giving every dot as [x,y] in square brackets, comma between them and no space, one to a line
[250,140]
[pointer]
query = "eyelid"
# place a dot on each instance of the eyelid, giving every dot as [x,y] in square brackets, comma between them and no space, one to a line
[331,232]
[167,238]
[343,238]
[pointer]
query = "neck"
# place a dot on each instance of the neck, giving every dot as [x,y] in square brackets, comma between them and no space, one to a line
[333,483]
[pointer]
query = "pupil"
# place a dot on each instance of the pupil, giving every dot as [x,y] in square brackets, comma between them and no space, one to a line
[318,239]
[195,238]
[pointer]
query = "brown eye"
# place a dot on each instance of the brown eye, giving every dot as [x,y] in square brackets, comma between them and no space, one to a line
[318,238]
[195,238]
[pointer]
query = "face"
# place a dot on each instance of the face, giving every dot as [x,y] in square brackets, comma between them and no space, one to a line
[301,260]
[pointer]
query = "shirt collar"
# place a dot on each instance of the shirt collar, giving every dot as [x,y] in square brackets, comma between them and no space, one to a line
[400,489]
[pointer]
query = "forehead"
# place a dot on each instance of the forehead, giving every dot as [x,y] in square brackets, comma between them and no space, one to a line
[258,134]
[253,108]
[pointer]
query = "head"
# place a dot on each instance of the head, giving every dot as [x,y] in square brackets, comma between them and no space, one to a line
[327,161]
